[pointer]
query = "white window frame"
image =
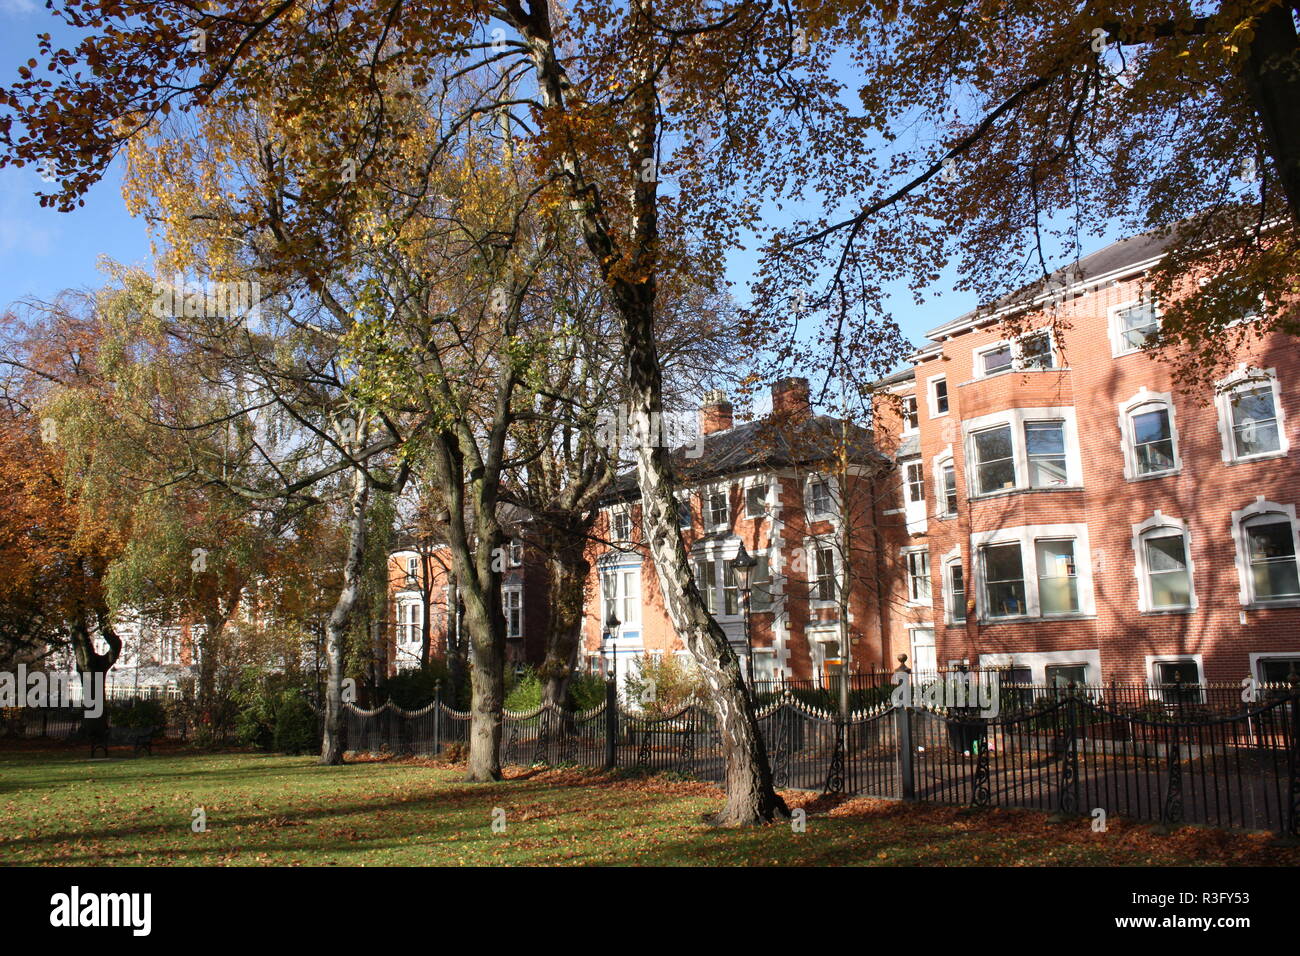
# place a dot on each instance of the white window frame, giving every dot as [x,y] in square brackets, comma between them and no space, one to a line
[616,513]
[516,552]
[1156,686]
[1147,401]
[946,564]
[909,581]
[1245,377]
[1027,536]
[1016,419]
[931,389]
[915,405]
[939,463]
[621,593]
[1117,346]
[911,646]
[721,553]
[513,591]
[832,492]
[750,485]
[707,511]
[811,547]
[1016,345]
[910,485]
[1144,530]
[410,621]
[1258,658]
[1256,509]
[1037,662]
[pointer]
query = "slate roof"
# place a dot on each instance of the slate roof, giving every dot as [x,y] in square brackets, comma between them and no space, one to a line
[1112,258]
[764,443]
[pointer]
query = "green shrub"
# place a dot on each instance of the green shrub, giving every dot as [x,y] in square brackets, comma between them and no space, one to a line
[140,714]
[257,695]
[586,691]
[660,685]
[523,691]
[295,725]
[413,689]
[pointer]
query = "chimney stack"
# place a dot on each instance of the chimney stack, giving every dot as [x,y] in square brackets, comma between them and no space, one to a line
[715,413]
[790,398]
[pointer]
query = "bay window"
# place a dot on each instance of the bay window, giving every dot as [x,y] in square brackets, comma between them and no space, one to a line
[915,482]
[1004,580]
[995,463]
[1022,449]
[1032,571]
[1058,586]
[1045,447]
[621,592]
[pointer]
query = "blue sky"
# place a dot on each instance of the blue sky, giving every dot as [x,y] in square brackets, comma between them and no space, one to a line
[43,251]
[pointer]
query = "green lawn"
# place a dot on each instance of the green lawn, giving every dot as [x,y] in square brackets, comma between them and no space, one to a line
[58,807]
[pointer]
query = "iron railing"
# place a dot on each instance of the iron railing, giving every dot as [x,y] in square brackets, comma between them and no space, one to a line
[1070,751]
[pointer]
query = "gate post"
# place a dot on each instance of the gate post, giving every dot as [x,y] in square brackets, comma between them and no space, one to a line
[1291,822]
[903,731]
[437,717]
[611,724]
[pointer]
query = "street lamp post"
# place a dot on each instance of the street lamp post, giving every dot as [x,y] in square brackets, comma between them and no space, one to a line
[611,641]
[742,565]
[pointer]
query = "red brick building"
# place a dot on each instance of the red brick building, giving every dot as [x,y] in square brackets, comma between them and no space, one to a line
[772,487]
[422,593]
[1072,514]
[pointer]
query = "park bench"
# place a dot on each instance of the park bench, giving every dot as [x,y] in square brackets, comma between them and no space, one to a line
[137,737]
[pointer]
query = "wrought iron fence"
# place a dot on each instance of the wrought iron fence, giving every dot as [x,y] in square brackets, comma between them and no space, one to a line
[1071,750]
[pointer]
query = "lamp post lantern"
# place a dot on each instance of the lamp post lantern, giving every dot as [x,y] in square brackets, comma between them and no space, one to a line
[742,565]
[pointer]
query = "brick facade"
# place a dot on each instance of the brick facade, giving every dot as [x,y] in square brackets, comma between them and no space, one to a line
[1110,494]
[795,622]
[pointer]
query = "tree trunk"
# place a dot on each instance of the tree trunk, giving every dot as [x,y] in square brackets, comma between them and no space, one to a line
[565,591]
[90,663]
[457,665]
[751,798]
[336,630]
[1272,76]
[487,683]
